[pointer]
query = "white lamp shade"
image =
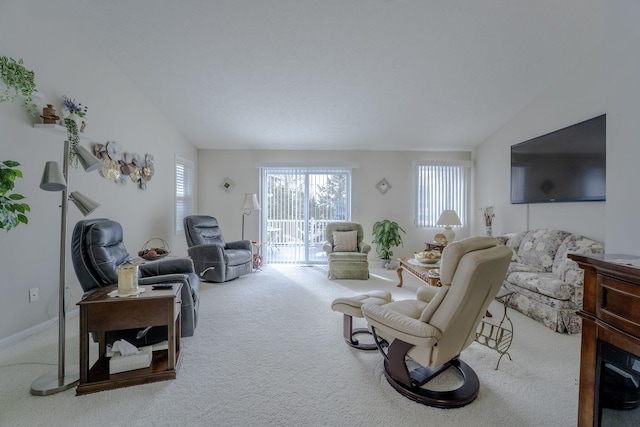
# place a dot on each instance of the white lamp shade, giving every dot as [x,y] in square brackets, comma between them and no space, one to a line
[84,203]
[449,217]
[251,202]
[88,161]
[52,178]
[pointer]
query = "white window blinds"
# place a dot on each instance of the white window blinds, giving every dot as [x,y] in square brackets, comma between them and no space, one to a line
[184,191]
[441,187]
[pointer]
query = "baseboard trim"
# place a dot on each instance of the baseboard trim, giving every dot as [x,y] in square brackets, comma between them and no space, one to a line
[41,327]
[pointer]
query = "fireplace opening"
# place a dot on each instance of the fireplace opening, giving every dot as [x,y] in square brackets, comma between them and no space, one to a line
[618,386]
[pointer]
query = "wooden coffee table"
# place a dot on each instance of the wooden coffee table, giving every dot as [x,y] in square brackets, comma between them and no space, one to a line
[101,313]
[418,270]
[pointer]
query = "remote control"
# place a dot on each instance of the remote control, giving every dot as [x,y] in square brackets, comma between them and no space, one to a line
[162,286]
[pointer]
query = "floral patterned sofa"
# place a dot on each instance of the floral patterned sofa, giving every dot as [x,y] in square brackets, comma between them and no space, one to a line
[548,286]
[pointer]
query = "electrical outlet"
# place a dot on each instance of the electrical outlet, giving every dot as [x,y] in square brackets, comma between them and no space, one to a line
[33,294]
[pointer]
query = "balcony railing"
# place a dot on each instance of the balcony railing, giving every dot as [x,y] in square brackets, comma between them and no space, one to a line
[285,241]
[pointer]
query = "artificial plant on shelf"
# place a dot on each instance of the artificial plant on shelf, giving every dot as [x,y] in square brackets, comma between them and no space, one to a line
[12,211]
[18,81]
[74,140]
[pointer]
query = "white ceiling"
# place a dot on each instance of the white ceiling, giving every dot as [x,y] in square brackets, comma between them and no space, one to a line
[343,74]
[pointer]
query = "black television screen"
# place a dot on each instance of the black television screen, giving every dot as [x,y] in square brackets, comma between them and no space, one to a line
[568,165]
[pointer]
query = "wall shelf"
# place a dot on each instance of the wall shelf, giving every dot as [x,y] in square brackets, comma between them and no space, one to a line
[58,128]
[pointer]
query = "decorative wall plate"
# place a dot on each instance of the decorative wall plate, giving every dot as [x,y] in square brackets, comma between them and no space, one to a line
[383,186]
[227,185]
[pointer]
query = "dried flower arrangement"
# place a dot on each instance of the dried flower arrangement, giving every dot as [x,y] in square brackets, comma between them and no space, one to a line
[487,211]
[74,107]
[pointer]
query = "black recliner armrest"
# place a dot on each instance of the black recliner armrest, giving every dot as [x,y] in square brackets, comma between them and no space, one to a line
[240,244]
[167,266]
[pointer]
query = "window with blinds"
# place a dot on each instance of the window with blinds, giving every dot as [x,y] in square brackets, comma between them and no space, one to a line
[442,186]
[184,191]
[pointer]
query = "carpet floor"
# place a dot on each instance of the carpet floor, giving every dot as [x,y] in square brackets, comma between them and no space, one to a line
[268,351]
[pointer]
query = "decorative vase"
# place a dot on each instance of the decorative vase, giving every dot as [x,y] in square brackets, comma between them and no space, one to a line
[73,117]
[489,230]
[49,115]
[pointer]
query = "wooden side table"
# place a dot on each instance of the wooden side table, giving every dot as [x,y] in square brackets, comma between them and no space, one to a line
[418,270]
[100,313]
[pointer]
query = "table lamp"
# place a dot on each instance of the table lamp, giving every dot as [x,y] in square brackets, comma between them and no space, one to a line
[448,218]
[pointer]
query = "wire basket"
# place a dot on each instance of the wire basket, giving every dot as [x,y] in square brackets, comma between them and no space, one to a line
[150,252]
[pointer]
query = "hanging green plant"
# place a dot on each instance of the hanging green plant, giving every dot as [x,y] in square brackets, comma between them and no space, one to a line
[18,81]
[12,213]
[74,140]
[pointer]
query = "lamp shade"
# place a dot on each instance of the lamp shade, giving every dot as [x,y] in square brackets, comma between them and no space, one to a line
[88,161]
[52,178]
[251,202]
[449,217]
[84,203]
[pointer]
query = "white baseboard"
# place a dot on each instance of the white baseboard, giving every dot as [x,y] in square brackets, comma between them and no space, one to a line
[6,342]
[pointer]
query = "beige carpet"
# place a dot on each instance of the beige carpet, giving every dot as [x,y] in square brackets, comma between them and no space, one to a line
[268,351]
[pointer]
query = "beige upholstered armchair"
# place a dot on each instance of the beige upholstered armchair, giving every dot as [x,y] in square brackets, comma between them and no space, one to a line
[430,332]
[346,251]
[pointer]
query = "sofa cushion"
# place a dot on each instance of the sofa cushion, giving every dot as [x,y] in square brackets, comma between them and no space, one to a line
[516,267]
[345,241]
[542,283]
[538,248]
[574,243]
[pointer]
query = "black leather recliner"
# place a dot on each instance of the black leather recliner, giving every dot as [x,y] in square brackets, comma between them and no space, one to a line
[214,259]
[97,250]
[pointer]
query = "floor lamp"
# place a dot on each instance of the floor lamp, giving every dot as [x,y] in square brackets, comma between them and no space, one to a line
[250,204]
[53,180]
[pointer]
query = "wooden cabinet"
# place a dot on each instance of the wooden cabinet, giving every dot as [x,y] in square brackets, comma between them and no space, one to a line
[610,324]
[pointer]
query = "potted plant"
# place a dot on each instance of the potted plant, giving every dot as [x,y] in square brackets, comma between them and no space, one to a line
[386,235]
[12,213]
[18,81]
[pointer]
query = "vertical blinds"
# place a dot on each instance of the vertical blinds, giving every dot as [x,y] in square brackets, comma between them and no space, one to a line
[441,187]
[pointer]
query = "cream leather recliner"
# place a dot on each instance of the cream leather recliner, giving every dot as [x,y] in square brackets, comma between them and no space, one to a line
[440,323]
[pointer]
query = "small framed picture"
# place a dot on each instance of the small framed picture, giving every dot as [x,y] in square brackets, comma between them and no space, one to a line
[383,186]
[227,185]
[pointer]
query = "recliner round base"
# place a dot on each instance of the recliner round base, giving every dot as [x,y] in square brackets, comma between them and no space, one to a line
[461,396]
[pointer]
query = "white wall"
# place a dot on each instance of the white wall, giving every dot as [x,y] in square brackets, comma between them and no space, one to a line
[578,96]
[623,128]
[368,204]
[29,255]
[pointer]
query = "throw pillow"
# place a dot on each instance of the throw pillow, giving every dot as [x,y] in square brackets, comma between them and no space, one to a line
[345,241]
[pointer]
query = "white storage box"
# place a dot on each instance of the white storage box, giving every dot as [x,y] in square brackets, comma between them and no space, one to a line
[119,363]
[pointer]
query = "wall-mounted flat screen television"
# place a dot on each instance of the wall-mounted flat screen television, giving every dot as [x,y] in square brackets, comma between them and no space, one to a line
[568,165]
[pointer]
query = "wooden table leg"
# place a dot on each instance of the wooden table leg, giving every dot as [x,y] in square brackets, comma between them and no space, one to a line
[399,271]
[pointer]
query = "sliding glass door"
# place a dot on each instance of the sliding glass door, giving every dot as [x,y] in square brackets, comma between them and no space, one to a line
[297,205]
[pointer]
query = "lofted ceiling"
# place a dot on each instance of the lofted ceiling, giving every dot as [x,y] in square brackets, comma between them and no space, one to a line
[343,74]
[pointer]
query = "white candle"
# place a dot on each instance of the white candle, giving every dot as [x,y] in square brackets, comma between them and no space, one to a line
[127,278]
